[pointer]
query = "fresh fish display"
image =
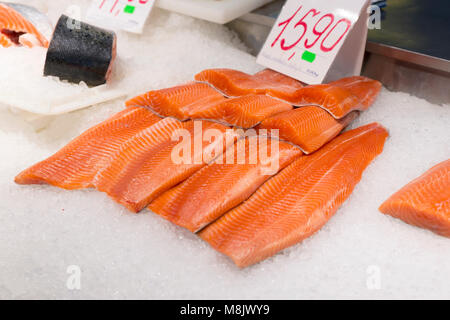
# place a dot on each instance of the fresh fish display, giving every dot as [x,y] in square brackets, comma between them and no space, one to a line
[298,201]
[218,187]
[80,52]
[425,201]
[307,127]
[23,25]
[174,151]
[234,83]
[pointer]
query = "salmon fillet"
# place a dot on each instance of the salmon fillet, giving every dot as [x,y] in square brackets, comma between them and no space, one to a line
[200,101]
[298,201]
[340,97]
[14,29]
[171,102]
[234,83]
[75,165]
[148,165]
[308,127]
[244,112]
[224,184]
[425,201]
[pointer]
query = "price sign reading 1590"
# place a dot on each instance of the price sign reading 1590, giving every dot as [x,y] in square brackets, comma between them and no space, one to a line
[306,38]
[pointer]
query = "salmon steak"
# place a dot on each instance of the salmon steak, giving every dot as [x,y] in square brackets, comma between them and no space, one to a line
[16,29]
[153,163]
[298,201]
[244,112]
[234,83]
[224,184]
[425,201]
[76,165]
[307,127]
[340,97]
[177,101]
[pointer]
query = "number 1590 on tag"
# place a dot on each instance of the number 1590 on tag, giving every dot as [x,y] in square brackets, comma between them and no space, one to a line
[305,39]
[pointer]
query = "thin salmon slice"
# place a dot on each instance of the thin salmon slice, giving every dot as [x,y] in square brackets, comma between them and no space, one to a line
[234,83]
[244,112]
[298,201]
[155,162]
[75,165]
[224,184]
[14,29]
[425,201]
[170,102]
[340,97]
[308,127]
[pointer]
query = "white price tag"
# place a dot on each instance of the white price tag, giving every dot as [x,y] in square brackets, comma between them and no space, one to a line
[128,15]
[307,39]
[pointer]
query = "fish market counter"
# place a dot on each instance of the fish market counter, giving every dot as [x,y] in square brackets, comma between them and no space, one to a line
[61,244]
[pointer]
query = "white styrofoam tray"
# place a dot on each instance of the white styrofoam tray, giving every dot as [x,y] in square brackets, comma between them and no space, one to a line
[219,11]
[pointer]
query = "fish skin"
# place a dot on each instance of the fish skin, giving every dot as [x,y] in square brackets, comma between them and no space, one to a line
[340,97]
[13,20]
[244,112]
[298,201]
[308,127]
[218,187]
[177,101]
[80,52]
[144,168]
[234,83]
[425,201]
[76,164]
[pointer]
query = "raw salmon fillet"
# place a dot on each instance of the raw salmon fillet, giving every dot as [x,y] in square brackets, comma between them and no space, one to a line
[425,201]
[244,112]
[298,201]
[176,101]
[14,29]
[308,127]
[75,165]
[224,184]
[149,165]
[339,97]
[234,83]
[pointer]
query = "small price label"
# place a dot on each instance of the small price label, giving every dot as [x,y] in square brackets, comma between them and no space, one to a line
[129,15]
[308,35]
